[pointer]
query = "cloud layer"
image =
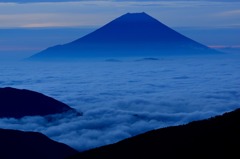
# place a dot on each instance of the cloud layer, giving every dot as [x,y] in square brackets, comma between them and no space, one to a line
[123,99]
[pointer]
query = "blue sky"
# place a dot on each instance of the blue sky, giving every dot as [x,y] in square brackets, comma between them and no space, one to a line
[191,17]
[96,13]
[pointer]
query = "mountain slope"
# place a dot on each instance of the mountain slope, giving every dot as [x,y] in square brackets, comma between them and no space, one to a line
[216,137]
[31,145]
[18,103]
[130,35]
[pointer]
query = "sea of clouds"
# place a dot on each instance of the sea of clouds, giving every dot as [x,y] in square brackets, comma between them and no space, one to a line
[122,99]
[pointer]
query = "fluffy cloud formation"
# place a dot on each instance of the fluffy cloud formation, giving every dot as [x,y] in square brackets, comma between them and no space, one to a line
[123,99]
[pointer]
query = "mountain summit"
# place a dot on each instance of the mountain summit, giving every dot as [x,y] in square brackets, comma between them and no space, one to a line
[130,35]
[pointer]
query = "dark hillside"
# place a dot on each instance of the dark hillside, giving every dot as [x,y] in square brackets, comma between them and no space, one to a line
[17,103]
[216,137]
[31,145]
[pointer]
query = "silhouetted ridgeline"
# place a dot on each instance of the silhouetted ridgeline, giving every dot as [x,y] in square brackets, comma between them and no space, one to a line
[130,35]
[217,137]
[31,145]
[17,103]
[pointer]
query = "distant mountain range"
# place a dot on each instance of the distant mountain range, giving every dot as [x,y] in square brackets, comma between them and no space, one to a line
[31,145]
[130,35]
[217,137]
[17,103]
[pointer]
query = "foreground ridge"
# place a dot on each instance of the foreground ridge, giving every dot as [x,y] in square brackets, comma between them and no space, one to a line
[28,145]
[216,137]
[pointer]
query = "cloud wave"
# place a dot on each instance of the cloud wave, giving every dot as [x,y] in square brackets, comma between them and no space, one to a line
[123,99]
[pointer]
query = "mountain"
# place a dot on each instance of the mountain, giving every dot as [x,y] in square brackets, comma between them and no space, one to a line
[28,145]
[130,35]
[17,103]
[217,137]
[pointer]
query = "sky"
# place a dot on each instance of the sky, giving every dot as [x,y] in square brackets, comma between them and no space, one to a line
[96,13]
[27,27]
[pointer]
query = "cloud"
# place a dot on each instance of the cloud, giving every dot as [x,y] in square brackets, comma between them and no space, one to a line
[6,48]
[123,99]
[42,1]
[100,127]
[231,13]
[69,14]
[224,46]
[38,1]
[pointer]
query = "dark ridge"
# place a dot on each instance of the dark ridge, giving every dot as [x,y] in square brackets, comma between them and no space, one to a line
[217,137]
[31,145]
[130,35]
[17,103]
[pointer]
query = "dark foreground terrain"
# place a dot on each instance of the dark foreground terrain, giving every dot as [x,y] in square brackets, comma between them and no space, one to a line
[217,137]
[17,103]
[31,145]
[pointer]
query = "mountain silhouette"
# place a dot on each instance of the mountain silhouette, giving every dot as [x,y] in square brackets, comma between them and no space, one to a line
[130,35]
[17,103]
[216,137]
[31,145]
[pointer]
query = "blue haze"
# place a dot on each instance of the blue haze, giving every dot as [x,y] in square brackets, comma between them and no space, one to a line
[125,98]
[19,43]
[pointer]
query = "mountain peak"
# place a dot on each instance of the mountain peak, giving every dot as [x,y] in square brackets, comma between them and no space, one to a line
[130,35]
[134,17]
[136,14]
